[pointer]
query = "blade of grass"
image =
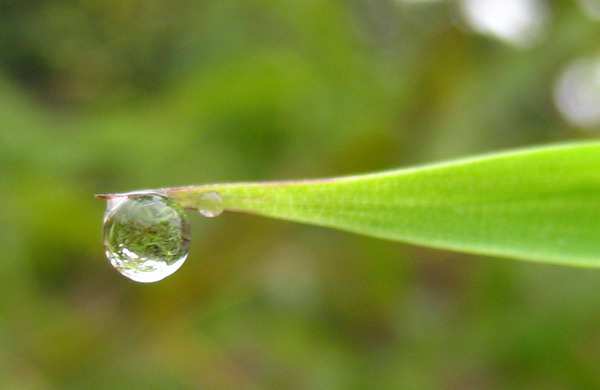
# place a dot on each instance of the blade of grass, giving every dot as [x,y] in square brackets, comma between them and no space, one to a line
[538,204]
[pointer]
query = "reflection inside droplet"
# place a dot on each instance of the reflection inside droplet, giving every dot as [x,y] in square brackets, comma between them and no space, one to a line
[591,8]
[146,236]
[577,92]
[210,204]
[518,22]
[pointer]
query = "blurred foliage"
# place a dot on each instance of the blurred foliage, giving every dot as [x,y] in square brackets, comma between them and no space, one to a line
[110,96]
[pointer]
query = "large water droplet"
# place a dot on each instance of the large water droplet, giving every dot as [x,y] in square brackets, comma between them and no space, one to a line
[146,236]
[210,204]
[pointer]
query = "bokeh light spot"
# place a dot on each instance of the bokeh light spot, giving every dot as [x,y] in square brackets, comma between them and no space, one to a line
[577,92]
[518,22]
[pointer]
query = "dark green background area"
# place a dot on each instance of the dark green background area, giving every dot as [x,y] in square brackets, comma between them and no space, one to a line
[114,95]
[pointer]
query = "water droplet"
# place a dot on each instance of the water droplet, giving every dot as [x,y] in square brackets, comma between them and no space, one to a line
[210,204]
[146,236]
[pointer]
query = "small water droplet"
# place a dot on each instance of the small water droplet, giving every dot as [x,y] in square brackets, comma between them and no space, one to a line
[211,204]
[146,236]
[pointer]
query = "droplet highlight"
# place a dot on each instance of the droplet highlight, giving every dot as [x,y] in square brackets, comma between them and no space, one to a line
[210,204]
[146,236]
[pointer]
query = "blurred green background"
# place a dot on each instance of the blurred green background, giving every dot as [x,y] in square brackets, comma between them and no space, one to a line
[114,95]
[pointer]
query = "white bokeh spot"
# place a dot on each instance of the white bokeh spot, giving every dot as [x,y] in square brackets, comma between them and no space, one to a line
[577,92]
[518,22]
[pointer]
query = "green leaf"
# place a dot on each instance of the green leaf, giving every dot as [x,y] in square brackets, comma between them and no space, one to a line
[538,204]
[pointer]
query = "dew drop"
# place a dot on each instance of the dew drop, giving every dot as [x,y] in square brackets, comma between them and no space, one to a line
[210,204]
[146,236]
